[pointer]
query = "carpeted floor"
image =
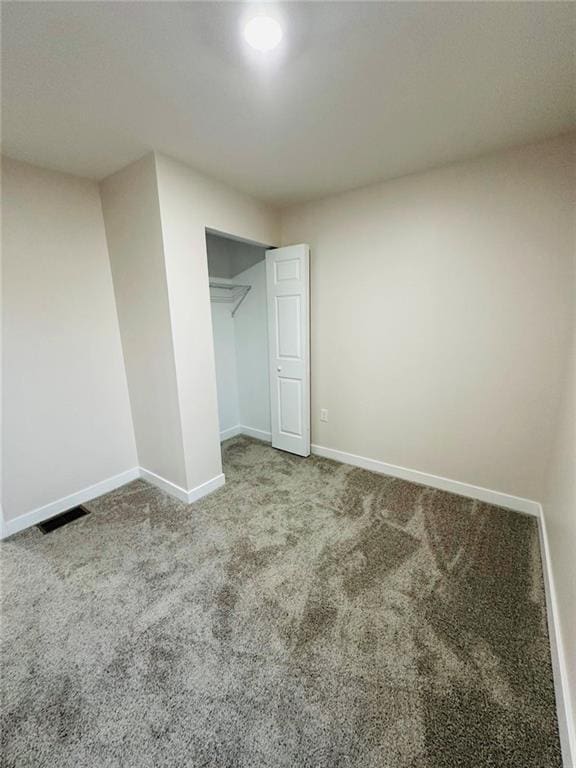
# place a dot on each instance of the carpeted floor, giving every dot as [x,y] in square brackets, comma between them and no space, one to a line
[307,614]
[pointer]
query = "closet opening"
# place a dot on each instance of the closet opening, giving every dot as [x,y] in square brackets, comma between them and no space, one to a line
[238,303]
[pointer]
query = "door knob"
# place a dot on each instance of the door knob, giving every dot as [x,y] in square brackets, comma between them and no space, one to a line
[279,368]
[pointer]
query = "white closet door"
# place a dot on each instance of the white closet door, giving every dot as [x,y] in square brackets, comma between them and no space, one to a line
[288,288]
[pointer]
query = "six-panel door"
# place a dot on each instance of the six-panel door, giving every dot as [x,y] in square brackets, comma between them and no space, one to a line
[287,272]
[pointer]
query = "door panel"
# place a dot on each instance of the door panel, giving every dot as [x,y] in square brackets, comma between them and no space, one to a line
[287,272]
[288,323]
[290,400]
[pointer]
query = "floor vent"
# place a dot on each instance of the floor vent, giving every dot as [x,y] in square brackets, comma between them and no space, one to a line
[62,519]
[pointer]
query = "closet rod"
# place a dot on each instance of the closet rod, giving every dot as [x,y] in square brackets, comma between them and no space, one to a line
[232,287]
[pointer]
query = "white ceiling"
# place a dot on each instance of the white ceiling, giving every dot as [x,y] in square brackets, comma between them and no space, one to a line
[357,91]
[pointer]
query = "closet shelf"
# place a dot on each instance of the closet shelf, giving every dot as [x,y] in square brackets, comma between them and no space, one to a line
[228,292]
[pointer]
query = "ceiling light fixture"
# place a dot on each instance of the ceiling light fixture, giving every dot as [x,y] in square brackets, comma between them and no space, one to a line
[263,33]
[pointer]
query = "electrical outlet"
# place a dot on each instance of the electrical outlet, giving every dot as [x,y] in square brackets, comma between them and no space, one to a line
[323,414]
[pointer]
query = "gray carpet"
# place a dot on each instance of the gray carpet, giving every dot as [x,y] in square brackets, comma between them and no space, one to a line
[307,614]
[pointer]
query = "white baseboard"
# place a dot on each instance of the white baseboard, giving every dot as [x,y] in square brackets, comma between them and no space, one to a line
[177,491]
[259,434]
[242,429]
[164,485]
[516,503]
[563,699]
[205,488]
[20,523]
[226,434]
[38,515]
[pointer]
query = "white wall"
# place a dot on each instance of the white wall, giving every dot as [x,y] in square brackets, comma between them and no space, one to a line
[251,333]
[225,361]
[189,204]
[132,216]
[440,316]
[67,421]
[560,513]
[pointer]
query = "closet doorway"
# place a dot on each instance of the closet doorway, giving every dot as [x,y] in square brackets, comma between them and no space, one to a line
[237,275]
[259,294]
